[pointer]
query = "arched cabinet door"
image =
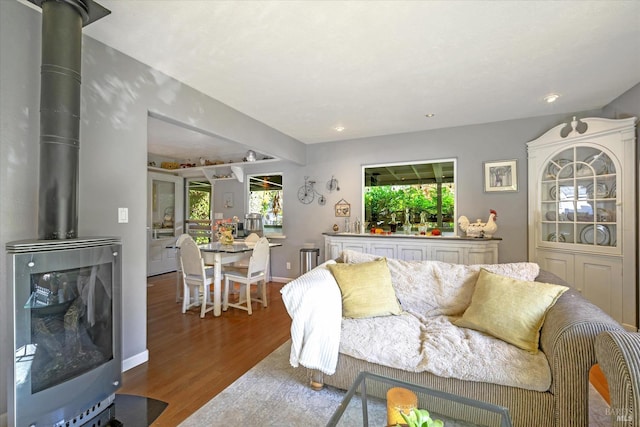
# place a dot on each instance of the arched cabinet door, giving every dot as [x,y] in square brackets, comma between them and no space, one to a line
[578,198]
[582,210]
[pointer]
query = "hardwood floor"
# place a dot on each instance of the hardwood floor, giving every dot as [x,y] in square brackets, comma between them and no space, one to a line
[599,382]
[193,359]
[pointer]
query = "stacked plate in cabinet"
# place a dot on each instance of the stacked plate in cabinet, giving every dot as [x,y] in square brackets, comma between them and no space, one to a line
[599,234]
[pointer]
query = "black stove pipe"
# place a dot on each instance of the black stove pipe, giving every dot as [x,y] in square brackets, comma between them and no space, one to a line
[62,22]
[59,121]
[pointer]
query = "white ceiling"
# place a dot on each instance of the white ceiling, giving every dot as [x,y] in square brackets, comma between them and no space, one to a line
[377,67]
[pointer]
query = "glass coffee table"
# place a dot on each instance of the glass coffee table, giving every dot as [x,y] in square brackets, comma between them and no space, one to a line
[365,404]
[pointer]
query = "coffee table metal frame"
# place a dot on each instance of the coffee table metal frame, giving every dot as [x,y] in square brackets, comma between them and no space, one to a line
[361,384]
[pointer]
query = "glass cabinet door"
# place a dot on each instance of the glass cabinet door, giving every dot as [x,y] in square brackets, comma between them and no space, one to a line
[578,198]
[163,202]
[165,221]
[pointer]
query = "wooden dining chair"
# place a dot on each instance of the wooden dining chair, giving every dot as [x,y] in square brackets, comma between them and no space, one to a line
[256,273]
[196,277]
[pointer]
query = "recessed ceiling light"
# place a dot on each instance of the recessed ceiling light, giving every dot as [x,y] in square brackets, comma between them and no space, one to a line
[552,97]
[339,128]
[429,115]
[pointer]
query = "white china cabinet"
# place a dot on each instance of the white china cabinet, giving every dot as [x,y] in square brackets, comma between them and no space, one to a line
[582,216]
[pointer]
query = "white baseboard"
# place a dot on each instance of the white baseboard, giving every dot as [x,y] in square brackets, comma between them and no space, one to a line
[134,361]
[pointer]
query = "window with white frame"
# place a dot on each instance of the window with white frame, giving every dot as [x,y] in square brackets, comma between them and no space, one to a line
[266,198]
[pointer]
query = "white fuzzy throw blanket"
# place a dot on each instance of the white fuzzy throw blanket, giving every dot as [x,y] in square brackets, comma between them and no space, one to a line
[423,338]
[314,303]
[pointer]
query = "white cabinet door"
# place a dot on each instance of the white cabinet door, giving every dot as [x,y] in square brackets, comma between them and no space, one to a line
[412,253]
[332,250]
[451,255]
[600,279]
[354,246]
[559,263]
[481,256]
[165,221]
[383,249]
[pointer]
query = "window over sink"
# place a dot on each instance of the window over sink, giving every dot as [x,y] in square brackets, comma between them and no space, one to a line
[266,198]
[410,197]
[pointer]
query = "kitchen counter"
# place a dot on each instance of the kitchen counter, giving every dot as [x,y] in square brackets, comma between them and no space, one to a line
[452,249]
[409,236]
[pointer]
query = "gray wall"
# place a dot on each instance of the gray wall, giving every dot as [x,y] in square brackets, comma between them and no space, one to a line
[19,134]
[470,145]
[117,94]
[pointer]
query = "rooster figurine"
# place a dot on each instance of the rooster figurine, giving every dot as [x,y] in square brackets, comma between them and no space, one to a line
[479,228]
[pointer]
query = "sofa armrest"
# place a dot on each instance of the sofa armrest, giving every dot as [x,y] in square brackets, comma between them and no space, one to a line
[618,356]
[567,339]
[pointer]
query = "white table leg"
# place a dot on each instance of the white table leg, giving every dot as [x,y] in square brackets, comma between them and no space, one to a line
[178,276]
[217,284]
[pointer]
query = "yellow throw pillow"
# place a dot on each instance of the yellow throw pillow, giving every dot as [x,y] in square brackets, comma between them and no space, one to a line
[510,309]
[366,289]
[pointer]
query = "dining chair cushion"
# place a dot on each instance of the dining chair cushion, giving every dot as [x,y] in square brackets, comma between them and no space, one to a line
[208,271]
[366,289]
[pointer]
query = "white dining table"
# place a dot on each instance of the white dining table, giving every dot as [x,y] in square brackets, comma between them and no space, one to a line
[225,254]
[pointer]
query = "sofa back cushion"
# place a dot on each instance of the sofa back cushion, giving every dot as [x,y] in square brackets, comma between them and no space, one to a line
[431,288]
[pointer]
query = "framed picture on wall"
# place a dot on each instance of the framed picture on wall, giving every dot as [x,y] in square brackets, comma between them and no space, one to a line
[501,175]
[343,208]
[228,200]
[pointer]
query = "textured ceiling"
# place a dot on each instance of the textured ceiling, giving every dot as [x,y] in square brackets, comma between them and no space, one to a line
[377,67]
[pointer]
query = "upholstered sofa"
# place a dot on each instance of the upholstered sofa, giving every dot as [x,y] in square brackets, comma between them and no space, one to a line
[427,342]
[618,354]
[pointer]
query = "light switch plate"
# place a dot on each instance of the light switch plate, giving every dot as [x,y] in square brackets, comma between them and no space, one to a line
[123,215]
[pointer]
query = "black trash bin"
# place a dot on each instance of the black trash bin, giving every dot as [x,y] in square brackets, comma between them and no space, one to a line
[308,259]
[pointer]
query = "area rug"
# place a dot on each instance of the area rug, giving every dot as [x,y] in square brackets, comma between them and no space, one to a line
[272,393]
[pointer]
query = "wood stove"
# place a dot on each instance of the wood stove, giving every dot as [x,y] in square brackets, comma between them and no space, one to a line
[66,290]
[66,323]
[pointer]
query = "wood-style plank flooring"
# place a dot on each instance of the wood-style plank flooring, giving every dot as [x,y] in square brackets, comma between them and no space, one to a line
[193,359]
[599,382]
